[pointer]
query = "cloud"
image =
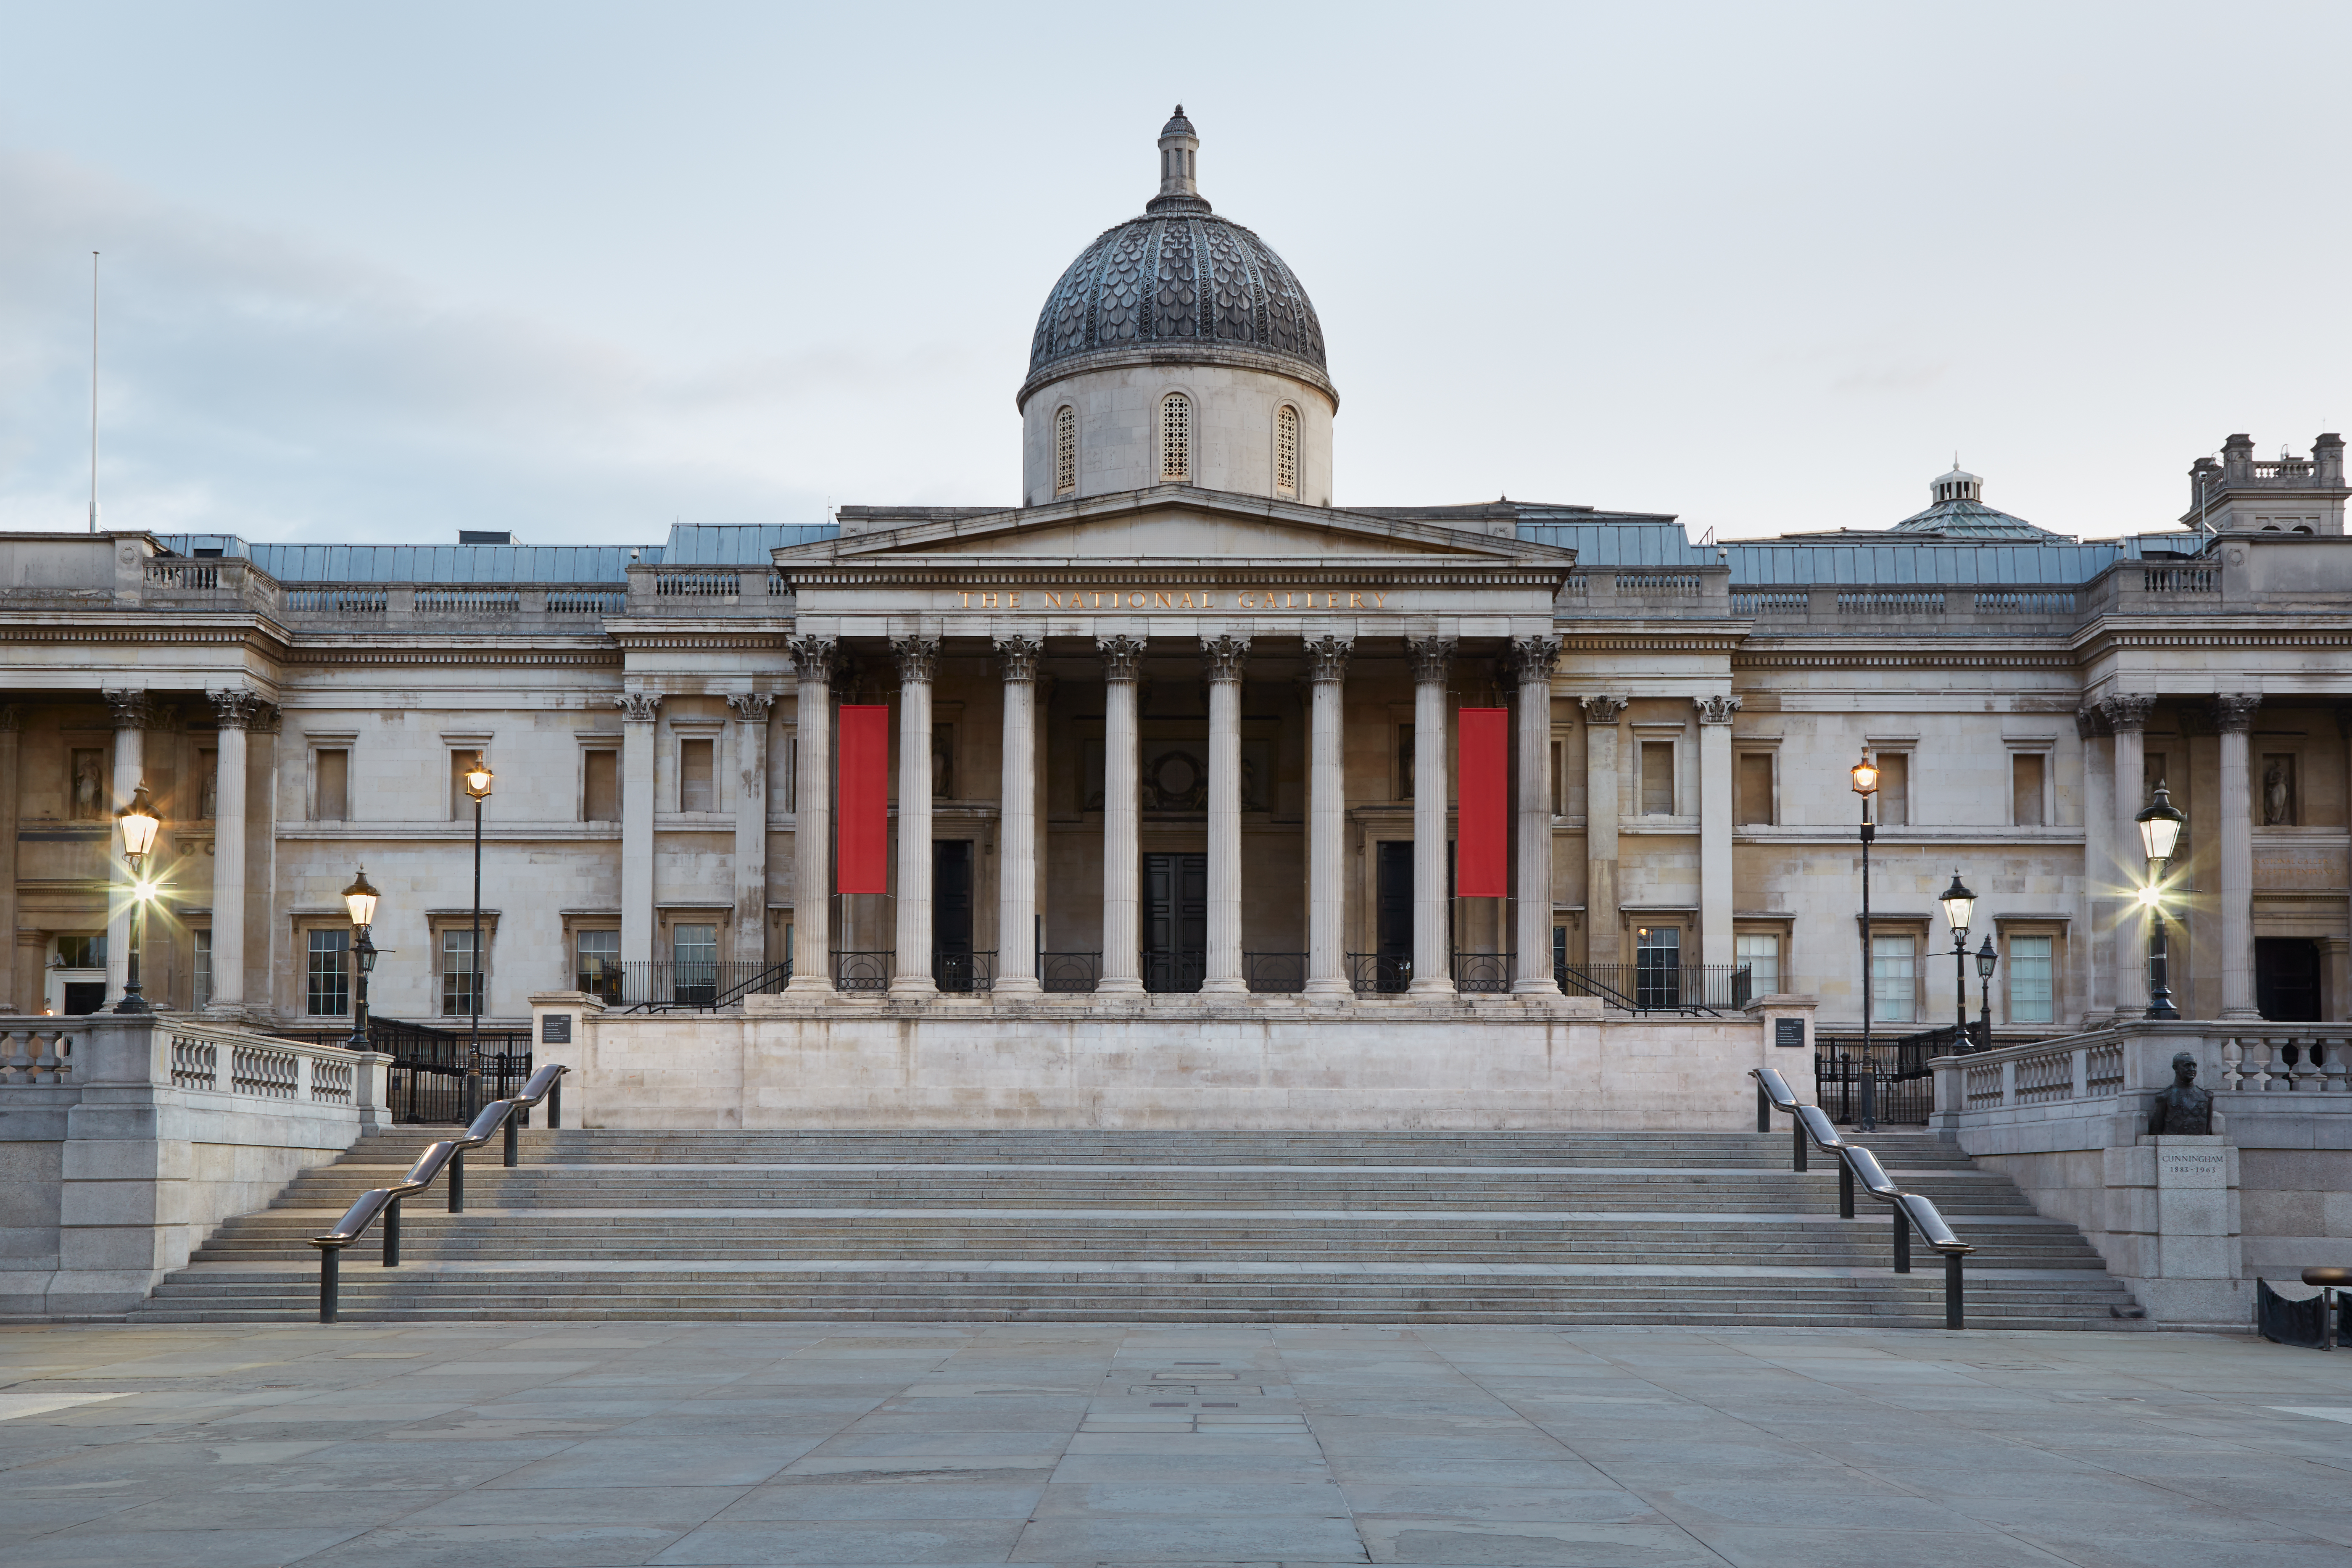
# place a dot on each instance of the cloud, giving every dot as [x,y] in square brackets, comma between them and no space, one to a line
[254,385]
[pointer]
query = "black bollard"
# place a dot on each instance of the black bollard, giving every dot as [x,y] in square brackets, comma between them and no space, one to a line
[330,1285]
[1763,1109]
[1954,1317]
[1797,1148]
[457,1182]
[1902,1241]
[512,1159]
[1845,1190]
[555,1105]
[391,1234]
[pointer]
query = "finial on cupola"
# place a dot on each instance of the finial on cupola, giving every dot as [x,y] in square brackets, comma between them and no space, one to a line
[1179,151]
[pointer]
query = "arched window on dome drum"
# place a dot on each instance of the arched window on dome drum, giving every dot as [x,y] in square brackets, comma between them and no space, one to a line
[1065,451]
[1286,450]
[1175,438]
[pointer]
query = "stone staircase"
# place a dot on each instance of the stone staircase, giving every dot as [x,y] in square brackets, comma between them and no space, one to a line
[1393,1228]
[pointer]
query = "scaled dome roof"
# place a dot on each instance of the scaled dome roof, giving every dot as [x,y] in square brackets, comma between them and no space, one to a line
[1178,275]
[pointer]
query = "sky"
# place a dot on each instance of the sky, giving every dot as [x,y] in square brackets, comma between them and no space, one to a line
[580,270]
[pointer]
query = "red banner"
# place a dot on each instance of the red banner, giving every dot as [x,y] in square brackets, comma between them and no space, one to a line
[1482,836]
[862,861]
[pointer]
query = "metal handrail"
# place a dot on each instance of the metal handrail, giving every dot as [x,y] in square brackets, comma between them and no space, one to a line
[445,1153]
[1857,1164]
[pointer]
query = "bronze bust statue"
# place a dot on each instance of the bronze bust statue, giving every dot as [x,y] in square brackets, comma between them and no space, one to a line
[2184,1108]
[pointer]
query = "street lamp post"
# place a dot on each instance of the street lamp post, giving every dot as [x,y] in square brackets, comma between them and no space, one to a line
[360,900]
[478,784]
[2159,836]
[139,825]
[1959,906]
[1865,784]
[1986,958]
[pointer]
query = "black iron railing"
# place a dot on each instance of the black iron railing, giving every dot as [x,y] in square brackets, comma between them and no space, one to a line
[866,970]
[1482,973]
[1379,973]
[662,984]
[1859,1166]
[963,971]
[427,1077]
[1651,987]
[1174,969]
[1276,973]
[1068,971]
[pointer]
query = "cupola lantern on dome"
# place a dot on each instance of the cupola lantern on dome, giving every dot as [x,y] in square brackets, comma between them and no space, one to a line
[1177,302]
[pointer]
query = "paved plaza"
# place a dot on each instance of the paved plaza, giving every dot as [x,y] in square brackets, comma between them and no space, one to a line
[516,1443]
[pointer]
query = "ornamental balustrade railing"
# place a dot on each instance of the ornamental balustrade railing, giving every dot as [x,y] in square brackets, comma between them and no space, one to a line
[234,1068]
[2090,1072]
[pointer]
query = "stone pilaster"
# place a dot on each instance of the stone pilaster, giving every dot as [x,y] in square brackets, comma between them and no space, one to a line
[640,710]
[1327,821]
[1715,810]
[1433,957]
[750,709]
[917,662]
[1604,942]
[1016,866]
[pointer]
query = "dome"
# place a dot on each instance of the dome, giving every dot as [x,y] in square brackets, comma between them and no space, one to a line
[1960,512]
[1179,276]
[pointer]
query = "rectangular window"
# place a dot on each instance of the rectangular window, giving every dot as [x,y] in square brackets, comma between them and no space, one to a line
[203,968]
[602,802]
[600,965]
[1658,778]
[461,979]
[334,785]
[87,788]
[694,963]
[1657,966]
[1893,789]
[461,804]
[327,987]
[2033,997]
[78,949]
[1755,789]
[2025,770]
[695,789]
[207,785]
[1758,952]
[1894,979]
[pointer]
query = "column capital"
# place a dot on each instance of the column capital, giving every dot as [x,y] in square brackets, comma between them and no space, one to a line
[751,707]
[1604,710]
[813,657]
[1533,660]
[1433,658]
[1017,658]
[640,707]
[1122,659]
[1223,659]
[2090,722]
[237,709]
[918,658]
[2127,712]
[1715,710]
[1327,659]
[2233,712]
[130,710]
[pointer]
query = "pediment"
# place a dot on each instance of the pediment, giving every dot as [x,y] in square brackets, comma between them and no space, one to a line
[1172,524]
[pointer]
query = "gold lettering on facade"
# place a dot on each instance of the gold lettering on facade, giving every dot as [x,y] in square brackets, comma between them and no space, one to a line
[1134,601]
[1356,602]
[988,601]
[1267,599]
[1162,602]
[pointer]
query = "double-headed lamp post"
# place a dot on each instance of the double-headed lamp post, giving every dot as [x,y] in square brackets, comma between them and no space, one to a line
[1865,784]
[2159,836]
[478,784]
[139,825]
[1987,957]
[360,900]
[1959,908]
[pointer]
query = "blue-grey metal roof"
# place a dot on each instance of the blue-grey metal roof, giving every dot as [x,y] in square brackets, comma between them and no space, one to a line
[738,543]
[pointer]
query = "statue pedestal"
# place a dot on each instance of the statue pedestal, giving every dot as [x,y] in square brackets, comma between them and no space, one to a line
[2183,1259]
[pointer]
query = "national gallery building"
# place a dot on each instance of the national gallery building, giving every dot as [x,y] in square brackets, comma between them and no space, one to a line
[1177,741]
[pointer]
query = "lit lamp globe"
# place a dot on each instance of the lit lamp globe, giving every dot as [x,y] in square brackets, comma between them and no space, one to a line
[2159,827]
[139,825]
[1960,904]
[1865,777]
[477,779]
[360,899]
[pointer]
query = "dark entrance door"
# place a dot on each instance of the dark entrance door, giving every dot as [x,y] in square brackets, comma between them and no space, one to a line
[84,996]
[2287,979]
[951,958]
[1175,922]
[1392,917]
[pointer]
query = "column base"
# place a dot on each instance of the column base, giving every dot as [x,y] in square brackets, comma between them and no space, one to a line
[227,1012]
[2239,1016]
[914,986]
[1533,986]
[1017,986]
[802,984]
[1232,987]
[1330,990]
[1443,986]
[1119,987]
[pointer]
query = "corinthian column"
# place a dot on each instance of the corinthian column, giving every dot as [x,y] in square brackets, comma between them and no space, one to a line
[235,710]
[1433,960]
[2233,717]
[1327,821]
[2128,716]
[1715,807]
[130,714]
[639,710]
[813,662]
[1532,661]
[1223,659]
[1122,956]
[750,825]
[917,658]
[1601,715]
[1016,866]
